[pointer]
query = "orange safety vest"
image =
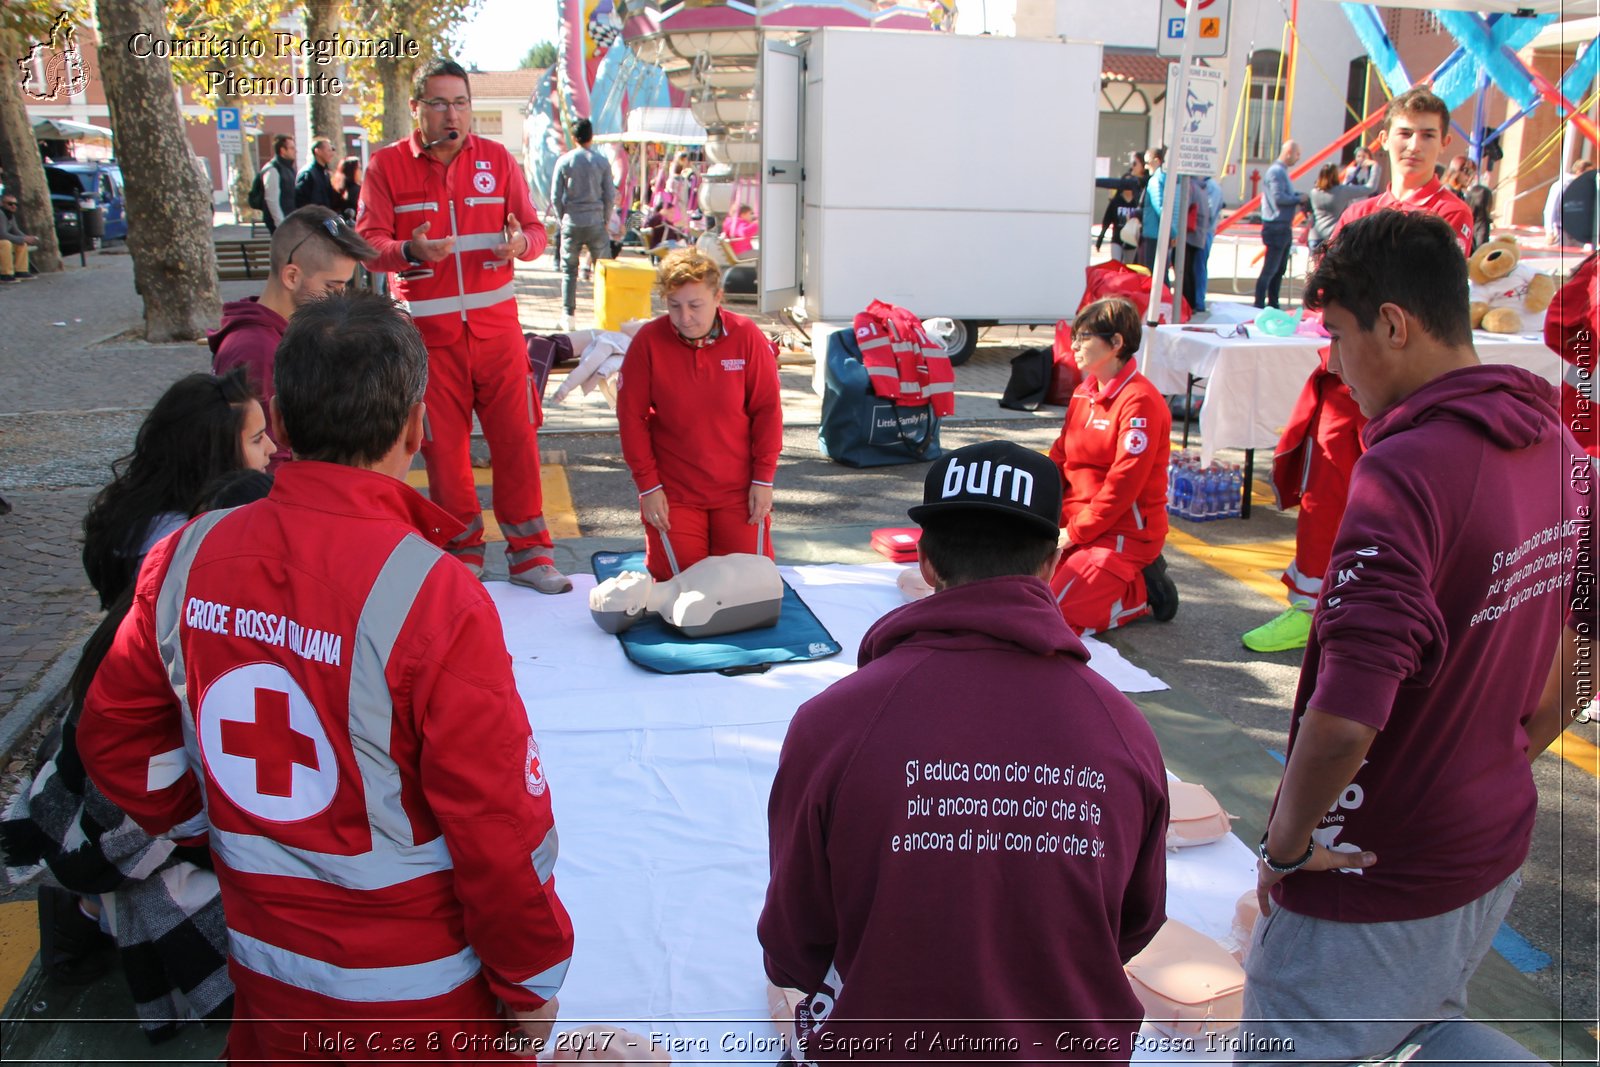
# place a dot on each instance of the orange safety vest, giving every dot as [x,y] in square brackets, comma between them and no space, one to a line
[902,364]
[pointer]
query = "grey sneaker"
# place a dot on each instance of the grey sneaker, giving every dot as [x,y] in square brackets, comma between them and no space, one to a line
[543,579]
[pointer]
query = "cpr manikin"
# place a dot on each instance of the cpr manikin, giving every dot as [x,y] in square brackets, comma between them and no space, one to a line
[718,595]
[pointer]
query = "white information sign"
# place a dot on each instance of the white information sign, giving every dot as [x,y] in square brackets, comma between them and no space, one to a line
[1211,27]
[1195,124]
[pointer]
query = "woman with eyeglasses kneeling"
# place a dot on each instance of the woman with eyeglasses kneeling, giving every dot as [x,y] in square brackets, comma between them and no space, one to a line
[1112,453]
[701,424]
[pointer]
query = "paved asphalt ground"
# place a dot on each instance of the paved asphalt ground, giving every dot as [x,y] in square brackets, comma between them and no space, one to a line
[75,381]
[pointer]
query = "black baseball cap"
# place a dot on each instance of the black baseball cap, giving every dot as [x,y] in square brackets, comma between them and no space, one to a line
[994,476]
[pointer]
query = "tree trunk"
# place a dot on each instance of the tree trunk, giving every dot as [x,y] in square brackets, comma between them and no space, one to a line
[20,165]
[394,80]
[168,202]
[322,21]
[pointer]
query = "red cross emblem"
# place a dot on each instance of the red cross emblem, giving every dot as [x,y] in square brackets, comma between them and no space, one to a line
[272,743]
[264,744]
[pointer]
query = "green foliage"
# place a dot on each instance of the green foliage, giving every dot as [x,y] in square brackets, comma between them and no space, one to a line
[539,56]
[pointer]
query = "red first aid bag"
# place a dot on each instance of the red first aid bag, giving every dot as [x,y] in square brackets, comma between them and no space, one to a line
[1066,377]
[1118,279]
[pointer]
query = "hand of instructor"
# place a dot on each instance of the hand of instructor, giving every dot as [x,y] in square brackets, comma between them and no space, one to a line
[430,251]
[760,503]
[653,509]
[515,243]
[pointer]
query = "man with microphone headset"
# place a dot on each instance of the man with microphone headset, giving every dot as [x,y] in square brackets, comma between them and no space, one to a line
[445,211]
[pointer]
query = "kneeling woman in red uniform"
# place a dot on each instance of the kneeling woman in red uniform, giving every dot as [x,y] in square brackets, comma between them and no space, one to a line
[1113,453]
[697,404]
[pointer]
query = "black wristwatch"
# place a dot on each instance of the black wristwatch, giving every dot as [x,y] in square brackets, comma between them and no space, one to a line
[405,250]
[1285,868]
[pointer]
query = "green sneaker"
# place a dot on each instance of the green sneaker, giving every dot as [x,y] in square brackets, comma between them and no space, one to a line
[1287,631]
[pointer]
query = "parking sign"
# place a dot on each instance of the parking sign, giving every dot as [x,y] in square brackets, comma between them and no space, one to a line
[230,130]
[1210,27]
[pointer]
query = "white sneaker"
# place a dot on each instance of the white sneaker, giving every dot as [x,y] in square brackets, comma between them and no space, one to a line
[543,579]
[567,325]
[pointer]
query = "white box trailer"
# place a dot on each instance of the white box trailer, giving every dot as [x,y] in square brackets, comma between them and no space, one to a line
[951,175]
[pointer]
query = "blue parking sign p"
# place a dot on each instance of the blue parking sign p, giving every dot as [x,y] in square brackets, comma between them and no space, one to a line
[227,118]
[1175,29]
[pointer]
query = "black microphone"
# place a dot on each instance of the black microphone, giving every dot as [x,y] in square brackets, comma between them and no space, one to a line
[449,135]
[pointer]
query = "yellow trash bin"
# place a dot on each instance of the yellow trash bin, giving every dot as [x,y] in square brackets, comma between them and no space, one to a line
[621,292]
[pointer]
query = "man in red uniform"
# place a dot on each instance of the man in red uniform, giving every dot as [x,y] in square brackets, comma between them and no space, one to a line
[1112,454]
[701,423]
[445,210]
[1322,441]
[308,685]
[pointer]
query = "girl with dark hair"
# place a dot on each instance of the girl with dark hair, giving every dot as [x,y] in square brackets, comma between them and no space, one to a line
[347,187]
[161,899]
[201,427]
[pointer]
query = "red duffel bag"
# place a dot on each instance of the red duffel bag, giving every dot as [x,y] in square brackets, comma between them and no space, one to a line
[1065,376]
[1118,279]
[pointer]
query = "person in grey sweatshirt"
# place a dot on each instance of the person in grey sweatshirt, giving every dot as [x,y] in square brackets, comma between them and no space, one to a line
[585,195]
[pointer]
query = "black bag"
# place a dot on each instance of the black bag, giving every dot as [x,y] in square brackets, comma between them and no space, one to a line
[258,191]
[860,429]
[1029,383]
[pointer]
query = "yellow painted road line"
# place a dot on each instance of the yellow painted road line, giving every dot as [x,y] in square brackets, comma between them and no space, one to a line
[559,514]
[19,943]
[418,479]
[1256,564]
[1578,752]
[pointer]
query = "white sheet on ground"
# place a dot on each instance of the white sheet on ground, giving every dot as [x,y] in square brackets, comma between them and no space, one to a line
[660,784]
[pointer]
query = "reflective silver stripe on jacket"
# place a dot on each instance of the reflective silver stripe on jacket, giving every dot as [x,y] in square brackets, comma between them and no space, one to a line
[164,769]
[169,644]
[544,857]
[431,205]
[415,981]
[479,242]
[449,305]
[547,983]
[475,201]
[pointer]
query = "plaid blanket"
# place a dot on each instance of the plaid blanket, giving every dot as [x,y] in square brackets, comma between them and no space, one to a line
[162,901]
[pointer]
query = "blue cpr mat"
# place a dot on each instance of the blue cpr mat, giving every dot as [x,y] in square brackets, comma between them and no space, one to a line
[798,636]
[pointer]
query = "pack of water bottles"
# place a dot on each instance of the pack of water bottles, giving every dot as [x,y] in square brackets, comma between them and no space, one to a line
[1201,494]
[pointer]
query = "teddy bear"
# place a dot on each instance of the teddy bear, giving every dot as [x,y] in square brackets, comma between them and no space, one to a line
[1507,295]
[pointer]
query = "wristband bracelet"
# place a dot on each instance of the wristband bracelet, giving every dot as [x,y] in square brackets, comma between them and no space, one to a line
[1285,868]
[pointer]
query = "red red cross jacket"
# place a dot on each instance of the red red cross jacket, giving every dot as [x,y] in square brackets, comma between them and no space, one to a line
[1113,452]
[1292,461]
[470,200]
[902,364]
[317,687]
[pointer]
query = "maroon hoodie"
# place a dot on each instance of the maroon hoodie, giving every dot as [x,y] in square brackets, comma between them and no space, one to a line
[970,827]
[1451,579]
[249,335]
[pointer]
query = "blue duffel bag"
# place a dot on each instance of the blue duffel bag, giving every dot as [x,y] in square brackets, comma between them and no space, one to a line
[860,429]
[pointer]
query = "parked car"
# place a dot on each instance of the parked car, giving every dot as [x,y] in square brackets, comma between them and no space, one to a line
[98,185]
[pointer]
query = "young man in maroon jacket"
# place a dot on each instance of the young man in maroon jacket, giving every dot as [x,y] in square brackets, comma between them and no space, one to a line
[956,874]
[314,253]
[1458,594]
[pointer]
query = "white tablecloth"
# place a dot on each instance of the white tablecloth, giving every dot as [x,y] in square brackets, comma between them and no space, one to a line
[1252,382]
[660,784]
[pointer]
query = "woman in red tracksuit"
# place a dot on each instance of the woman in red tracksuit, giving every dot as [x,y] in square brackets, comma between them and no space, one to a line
[1113,453]
[697,404]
